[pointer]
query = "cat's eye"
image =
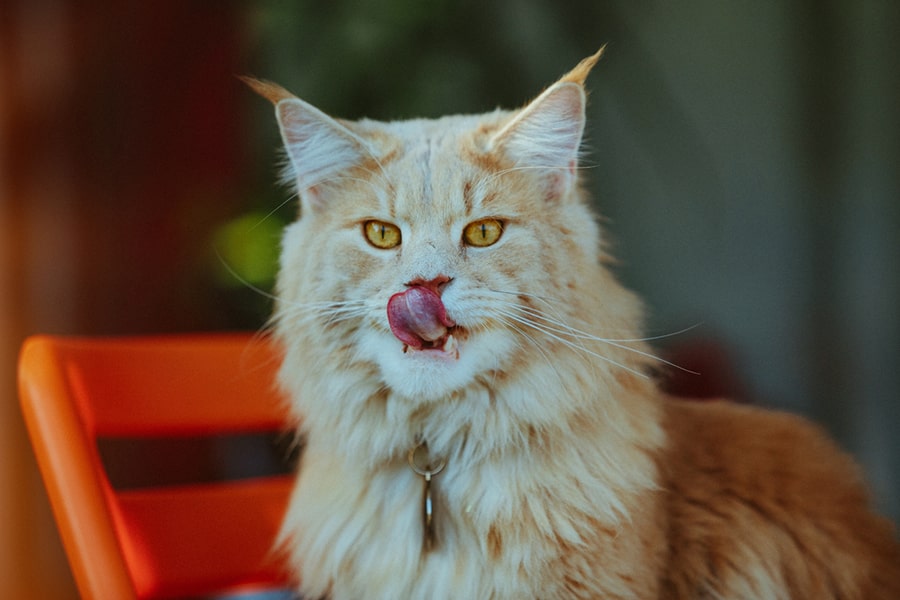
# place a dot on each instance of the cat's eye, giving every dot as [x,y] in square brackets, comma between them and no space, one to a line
[382,235]
[483,233]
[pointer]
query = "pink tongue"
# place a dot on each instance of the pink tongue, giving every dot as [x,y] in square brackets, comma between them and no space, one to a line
[417,316]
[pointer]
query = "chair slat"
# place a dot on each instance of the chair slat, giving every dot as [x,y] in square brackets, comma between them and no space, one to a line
[130,386]
[215,537]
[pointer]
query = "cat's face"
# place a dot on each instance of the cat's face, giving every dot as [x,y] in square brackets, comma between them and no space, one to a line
[425,248]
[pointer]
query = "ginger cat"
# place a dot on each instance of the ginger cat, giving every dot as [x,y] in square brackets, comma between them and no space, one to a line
[471,384]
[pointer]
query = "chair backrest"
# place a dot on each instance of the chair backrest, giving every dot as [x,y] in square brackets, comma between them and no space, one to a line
[197,539]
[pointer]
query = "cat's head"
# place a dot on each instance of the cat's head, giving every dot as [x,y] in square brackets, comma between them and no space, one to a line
[437,253]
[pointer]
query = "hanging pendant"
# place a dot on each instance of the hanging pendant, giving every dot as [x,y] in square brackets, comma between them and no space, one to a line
[428,515]
[422,466]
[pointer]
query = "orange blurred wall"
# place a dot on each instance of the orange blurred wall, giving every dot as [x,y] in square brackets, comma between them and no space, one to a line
[119,152]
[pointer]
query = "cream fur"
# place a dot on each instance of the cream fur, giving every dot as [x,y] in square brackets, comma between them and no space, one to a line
[567,474]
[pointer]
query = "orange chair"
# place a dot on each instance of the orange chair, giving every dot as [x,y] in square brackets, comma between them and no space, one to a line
[188,540]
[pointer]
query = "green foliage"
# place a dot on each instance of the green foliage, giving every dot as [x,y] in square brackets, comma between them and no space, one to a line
[247,250]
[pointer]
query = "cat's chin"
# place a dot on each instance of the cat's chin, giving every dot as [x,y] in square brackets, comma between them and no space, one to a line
[427,374]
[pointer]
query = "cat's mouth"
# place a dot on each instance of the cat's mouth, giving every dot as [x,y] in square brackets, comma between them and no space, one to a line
[447,344]
[418,318]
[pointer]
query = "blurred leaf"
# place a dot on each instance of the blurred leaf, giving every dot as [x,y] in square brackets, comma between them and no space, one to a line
[247,250]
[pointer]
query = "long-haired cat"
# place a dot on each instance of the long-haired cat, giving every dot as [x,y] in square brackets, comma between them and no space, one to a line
[472,388]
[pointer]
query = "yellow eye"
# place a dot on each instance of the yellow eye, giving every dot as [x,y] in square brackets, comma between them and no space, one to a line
[382,235]
[483,233]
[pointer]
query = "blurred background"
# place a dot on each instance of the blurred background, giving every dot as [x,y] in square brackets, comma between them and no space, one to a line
[745,157]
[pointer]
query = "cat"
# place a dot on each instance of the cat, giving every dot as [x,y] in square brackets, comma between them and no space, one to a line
[474,394]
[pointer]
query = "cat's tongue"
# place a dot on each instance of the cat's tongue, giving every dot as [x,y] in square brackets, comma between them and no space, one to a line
[417,316]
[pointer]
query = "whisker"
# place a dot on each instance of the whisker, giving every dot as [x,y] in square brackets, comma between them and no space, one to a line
[557,328]
[649,355]
[577,334]
[329,311]
[269,215]
[580,333]
[570,344]
[240,279]
[652,338]
[534,342]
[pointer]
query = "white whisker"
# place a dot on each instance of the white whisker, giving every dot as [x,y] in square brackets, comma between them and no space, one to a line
[268,215]
[569,343]
[512,324]
[557,329]
[328,312]
[240,279]
[617,343]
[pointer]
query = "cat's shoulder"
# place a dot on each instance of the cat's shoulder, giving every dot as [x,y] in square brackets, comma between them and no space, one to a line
[749,438]
[761,502]
[761,454]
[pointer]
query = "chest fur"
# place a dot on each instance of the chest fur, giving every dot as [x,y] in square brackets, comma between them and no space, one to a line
[510,528]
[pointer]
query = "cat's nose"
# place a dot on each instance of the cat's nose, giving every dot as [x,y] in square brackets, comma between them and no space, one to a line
[435,284]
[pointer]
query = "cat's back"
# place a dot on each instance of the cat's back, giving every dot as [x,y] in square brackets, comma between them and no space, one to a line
[763,505]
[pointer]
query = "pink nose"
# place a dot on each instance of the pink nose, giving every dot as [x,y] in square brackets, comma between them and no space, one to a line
[418,316]
[436,284]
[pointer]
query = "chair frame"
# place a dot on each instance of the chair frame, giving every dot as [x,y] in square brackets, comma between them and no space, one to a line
[76,390]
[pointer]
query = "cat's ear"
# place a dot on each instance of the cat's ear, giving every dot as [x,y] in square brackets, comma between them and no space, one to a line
[318,147]
[546,134]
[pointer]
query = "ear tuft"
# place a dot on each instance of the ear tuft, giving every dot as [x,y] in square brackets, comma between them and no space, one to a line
[272,92]
[582,70]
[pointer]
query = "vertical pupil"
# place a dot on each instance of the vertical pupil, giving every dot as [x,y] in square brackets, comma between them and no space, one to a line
[382,230]
[483,231]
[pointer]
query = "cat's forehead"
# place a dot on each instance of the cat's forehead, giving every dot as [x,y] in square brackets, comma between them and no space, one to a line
[449,136]
[445,126]
[424,159]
